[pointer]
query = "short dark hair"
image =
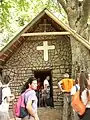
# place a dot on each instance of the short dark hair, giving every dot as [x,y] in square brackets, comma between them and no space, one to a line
[6,79]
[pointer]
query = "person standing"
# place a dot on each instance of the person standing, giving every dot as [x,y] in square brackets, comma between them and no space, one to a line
[6,98]
[74,89]
[31,99]
[65,86]
[84,83]
[38,91]
[46,82]
[43,100]
[47,96]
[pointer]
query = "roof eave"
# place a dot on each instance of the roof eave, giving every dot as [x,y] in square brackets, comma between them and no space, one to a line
[67,28]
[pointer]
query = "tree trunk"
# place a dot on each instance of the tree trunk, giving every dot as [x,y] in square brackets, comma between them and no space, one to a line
[77,14]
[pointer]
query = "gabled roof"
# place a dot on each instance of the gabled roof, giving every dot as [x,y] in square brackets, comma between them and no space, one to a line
[13,45]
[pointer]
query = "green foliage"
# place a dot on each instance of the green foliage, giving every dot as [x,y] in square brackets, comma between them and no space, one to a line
[15,14]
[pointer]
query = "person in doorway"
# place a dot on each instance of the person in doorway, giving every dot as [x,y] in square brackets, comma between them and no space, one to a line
[31,99]
[6,98]
[47,91]
[43,98]
[65,86]
[38,84]
[38,91]
[46,82]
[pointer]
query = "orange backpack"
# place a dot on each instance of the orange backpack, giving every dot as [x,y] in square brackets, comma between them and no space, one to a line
[77,104]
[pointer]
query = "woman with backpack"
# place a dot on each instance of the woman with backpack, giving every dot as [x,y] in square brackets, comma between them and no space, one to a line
[84,95]
[30,99]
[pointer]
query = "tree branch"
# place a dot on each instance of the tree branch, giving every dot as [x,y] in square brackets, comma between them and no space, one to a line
[63,4]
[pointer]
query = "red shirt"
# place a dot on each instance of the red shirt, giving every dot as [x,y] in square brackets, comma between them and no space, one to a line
[38,86]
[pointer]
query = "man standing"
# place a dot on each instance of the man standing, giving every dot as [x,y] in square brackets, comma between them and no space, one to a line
[47,91]
[65,86]
[46,82]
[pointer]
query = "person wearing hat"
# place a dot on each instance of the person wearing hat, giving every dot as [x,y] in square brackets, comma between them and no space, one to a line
[65,86]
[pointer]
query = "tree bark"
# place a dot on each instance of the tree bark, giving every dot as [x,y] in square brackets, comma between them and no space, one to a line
[77,14]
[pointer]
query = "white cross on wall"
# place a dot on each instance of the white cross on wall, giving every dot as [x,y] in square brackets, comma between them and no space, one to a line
[45,47]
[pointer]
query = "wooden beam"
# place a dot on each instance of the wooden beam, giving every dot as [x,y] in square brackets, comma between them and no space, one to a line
[45,33]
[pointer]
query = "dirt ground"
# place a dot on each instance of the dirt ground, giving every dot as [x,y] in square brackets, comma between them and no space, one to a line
[45,114]
[49,114]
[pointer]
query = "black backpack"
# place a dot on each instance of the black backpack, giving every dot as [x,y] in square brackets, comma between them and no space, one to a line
[1,95]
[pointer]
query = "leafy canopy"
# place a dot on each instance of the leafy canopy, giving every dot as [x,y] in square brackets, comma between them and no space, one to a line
[15,14]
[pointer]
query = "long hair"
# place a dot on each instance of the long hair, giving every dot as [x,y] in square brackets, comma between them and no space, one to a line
[77,78]
[83,82]
[26,85]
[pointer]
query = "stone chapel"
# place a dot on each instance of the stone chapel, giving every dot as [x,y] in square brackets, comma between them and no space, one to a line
[45,47]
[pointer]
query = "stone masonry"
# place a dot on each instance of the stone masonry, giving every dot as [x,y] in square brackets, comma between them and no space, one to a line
[27,59]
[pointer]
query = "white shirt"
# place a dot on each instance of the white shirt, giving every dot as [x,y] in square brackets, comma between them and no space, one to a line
[46,82]
[85,99]
[73,89]
[83,96]
[6,92]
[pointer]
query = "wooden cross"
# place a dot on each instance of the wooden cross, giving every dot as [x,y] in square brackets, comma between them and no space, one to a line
[44,25]
[45,48]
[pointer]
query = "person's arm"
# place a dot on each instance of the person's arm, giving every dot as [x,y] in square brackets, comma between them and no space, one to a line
[73,82]
[30,110]
[73,91]
[9,97]
[60,86]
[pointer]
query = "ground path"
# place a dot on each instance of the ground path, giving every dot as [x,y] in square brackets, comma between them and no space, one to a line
[45,114]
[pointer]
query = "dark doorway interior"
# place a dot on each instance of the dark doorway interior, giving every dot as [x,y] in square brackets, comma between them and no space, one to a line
[42,75]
